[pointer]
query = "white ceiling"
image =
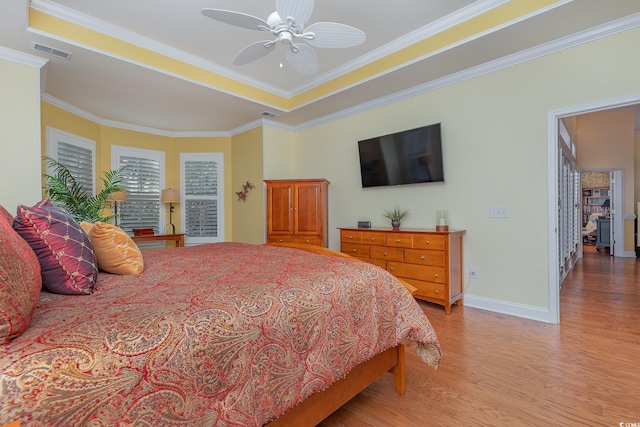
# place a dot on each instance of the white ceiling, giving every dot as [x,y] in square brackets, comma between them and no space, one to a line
[118,90]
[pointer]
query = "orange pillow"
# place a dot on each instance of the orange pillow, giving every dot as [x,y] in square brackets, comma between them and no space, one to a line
[116,252]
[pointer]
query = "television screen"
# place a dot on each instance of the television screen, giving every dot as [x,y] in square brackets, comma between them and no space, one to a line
[408,157]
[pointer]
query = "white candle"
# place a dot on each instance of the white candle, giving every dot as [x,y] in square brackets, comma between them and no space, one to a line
[443,221]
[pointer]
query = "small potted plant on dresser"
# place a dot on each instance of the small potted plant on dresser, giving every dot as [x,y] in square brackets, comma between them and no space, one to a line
[395,214]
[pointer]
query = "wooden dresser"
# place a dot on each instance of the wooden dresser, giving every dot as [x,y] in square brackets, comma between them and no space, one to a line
[297,211]
[429,260]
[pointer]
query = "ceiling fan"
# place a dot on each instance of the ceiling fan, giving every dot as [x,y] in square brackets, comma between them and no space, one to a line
[287,25]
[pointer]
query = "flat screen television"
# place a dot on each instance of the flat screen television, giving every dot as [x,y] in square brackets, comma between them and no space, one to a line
[409,157]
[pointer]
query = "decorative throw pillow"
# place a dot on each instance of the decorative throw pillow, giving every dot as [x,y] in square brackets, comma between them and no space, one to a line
[67,261]
[116,252]
[6,215]
[20,281]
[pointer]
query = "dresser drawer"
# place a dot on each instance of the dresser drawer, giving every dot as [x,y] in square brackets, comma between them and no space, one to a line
[309,240]
[360,251]
[350,236]
[429,241]
[379,262]
[422,257]
[428,289]
[288,238]
[373,238]
[400,240]
[419,272]
[388,254]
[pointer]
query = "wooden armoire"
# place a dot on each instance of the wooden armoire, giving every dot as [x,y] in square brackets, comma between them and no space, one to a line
[297,211]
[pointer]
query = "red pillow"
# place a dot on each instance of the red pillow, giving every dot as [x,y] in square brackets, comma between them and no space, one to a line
[20,281]
[66,255]
[6,215]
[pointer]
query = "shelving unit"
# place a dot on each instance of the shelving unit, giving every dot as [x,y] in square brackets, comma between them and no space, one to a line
[592,201]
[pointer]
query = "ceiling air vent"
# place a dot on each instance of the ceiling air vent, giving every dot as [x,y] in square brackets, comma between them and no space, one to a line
[268,114]
[51,51]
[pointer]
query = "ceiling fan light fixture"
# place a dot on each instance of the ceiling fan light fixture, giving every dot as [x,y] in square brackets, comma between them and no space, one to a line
[296,12]
[285,37]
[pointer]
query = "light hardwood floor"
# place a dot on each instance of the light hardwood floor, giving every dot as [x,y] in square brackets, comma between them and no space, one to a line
[499,370]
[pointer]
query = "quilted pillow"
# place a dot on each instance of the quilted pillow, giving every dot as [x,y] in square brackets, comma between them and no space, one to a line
[116,252]
[67,261]
[20,281]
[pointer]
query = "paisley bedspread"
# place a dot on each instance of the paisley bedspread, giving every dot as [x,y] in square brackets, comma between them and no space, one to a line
[224,334]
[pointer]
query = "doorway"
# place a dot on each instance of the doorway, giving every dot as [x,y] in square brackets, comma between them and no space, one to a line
[555,229]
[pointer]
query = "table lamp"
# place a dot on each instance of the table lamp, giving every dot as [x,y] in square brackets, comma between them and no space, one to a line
[171,196]
[117,197]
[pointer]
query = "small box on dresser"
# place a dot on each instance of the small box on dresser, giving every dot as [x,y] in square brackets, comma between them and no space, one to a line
[429,260]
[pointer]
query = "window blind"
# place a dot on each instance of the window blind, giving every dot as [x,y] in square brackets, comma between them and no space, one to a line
[79,161]
[141,180]
[201,180]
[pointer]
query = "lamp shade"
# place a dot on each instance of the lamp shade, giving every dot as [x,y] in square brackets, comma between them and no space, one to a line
[119,196]
[170,195]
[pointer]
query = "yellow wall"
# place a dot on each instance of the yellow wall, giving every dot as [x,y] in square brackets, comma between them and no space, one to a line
[20,181]
[106,136]
[248,215]
[494,131]
[279,153]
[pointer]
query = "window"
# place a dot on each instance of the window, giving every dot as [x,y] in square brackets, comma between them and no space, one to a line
[201,194]
[143,179]
[76,153]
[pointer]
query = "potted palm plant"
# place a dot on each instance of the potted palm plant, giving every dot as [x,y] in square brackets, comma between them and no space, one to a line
[395,214]
[65,191]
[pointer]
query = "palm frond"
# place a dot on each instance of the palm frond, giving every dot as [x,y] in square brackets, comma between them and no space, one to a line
[65,191]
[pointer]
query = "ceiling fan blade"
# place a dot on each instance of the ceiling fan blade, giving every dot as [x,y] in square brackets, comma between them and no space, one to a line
[254,51]
[333,35]
[237,19]
[304,59]
[299,10]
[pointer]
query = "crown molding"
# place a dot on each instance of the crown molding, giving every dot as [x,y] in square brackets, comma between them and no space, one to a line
[439,27]
[429,30]
[127,126]
[22,58]
[615,27]
[74,17]
[602,31]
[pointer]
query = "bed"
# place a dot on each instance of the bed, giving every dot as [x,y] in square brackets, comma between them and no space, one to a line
[224,334]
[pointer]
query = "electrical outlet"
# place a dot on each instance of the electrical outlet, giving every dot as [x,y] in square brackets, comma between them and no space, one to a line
[473,272]
[498,212]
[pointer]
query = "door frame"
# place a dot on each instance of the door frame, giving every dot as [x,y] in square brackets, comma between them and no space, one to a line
[552,188]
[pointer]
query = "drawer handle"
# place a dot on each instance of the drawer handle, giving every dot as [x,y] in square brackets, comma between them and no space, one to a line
[397,240]
[437,291]
[422,258]
[390,268]
[373,238]
[428,242]
[307,240]
[436,274]
[351,237]
[353,250]
[385,254]
[280,240]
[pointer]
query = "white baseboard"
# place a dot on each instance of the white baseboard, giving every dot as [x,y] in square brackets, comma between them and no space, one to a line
[510,308]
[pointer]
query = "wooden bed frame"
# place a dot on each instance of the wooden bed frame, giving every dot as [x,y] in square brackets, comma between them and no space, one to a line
[320,405]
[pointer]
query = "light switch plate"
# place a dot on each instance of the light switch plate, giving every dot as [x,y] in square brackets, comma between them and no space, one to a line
[498,212]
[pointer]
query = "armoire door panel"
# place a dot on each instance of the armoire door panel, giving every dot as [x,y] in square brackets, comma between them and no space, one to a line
[282,213]
[307,213]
